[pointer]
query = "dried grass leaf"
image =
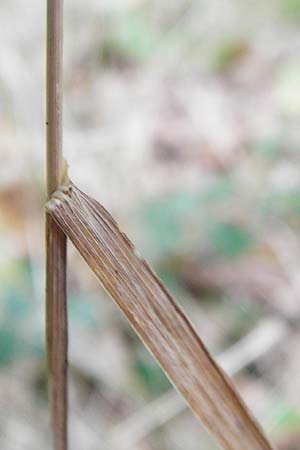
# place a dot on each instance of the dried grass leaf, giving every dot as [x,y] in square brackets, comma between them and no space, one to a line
[157,319]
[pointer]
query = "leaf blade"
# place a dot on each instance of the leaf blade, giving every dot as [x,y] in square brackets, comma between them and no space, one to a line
[157,319]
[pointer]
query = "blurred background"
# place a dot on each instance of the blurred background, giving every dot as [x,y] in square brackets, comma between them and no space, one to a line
[182,118]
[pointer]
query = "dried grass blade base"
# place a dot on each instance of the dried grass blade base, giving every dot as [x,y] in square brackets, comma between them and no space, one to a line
[158,320]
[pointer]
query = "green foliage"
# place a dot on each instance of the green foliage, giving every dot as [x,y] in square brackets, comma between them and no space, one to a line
[18,334]
[228,53]
[135,36]
[269,147]
[282,203]
[287,88]
[151,375]
[83,311]
[165,219]
[219,191]
[169,279]
[291,8]
[287,418]
[132,39]
[8,344]
[229,239]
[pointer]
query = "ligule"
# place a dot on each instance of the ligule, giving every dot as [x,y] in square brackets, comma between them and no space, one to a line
[157,319]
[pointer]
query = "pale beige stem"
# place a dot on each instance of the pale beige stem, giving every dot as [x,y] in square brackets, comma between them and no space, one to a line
[56,305]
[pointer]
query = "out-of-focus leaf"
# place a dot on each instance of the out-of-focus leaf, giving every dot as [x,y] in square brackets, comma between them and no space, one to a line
[8,344]
[20,332]
[151,375]
[17,306]
[17,343]
[291,8]
[136,36]
[14,269]
[229,52]
[133,38]
[287,418]
[229,239]
[269,147]
[219,191]
[16,289]
[282,203]
[169,279]
[83,311]
[288,90]
[165,218]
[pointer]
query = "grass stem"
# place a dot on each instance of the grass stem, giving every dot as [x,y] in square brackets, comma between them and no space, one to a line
[56,293]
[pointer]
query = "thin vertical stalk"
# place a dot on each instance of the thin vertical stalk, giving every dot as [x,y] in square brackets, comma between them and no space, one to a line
[56,295]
